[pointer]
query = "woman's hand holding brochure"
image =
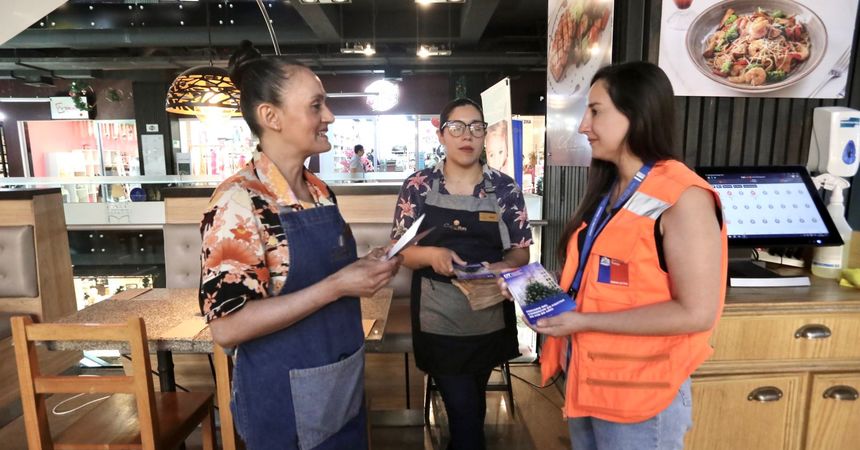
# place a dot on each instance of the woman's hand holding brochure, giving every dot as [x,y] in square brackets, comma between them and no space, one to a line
[563,324]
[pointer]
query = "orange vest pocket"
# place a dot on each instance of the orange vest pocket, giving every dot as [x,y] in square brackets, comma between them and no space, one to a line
[630,384]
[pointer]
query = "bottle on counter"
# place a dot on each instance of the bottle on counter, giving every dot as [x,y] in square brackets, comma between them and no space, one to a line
[828,262]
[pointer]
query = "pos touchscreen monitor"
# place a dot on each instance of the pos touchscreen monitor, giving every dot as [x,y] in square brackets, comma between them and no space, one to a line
[771,206]
[774,206]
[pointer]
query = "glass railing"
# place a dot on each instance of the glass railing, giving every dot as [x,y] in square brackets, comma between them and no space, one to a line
[110,189]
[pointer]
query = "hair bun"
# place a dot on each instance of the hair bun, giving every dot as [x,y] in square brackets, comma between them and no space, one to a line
[244,55]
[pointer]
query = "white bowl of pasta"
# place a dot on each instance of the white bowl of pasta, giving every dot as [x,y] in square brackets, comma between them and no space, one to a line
[756,45]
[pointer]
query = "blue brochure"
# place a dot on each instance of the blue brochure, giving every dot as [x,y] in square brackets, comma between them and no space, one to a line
[473,272]
[537,292]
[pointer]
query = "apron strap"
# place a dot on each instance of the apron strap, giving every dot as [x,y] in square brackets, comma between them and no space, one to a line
[490,190]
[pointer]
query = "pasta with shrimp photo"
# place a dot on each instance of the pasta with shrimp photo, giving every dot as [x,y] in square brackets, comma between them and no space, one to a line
[758,48]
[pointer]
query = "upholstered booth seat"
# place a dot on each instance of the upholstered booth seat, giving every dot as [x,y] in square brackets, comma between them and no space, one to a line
[18,272]
[35,280]
[182,264]
[182,255]
[371,235]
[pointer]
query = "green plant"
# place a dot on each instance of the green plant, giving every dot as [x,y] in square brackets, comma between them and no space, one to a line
[114,95]
[460,87]
[537,291]
[78,92]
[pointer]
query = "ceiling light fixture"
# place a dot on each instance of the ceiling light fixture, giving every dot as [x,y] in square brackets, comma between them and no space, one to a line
[426,51]
[383,95]
[358,49]
[428,2]
[204,91]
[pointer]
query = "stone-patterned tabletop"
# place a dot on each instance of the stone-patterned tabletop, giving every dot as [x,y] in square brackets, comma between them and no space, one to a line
[174,323]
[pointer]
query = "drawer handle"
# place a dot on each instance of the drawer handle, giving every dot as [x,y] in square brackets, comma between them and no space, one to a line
[765,394]
[841,392]
[813,331]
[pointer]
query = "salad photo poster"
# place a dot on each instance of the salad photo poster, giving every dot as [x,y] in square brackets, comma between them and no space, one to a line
[757,48]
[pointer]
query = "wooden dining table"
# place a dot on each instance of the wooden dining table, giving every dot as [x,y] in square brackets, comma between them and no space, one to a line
[174,324]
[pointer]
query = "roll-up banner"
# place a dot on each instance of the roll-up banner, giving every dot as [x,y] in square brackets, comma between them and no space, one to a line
[496,102]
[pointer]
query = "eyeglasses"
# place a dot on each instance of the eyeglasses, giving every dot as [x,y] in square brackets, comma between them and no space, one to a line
[458,127]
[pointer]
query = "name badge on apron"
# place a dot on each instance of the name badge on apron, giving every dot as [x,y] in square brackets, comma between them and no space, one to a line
[488,217]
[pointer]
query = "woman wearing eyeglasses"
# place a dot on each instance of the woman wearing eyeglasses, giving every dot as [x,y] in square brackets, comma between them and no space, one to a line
[478,215]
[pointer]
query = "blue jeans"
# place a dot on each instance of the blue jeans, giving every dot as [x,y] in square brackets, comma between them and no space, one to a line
[665,431]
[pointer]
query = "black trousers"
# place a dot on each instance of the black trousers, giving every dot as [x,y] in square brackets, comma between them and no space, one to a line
[465,398]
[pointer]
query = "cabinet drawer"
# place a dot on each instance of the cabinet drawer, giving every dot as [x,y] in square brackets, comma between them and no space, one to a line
[834,412]
[787,337]
[762,412]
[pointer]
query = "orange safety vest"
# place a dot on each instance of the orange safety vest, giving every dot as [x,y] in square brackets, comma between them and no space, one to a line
[628,378]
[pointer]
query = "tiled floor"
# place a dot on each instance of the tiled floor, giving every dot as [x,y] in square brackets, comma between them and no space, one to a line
[536,424]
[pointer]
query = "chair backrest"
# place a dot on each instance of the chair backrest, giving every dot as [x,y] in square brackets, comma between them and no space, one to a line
[18,251]
[34,385]
[182,255]
[370,235]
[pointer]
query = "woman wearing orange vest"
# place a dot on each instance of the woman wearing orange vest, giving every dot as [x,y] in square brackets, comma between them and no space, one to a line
[645,258]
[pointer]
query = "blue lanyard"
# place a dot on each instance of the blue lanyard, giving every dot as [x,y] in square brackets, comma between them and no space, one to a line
[598,222]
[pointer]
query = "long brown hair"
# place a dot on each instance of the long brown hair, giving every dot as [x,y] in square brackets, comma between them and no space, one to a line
[642,92]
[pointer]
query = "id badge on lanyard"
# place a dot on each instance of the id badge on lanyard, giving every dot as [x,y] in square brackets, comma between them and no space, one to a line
[595,226]
[599,220]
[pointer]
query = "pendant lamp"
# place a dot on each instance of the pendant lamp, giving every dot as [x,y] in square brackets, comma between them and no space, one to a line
[204,91]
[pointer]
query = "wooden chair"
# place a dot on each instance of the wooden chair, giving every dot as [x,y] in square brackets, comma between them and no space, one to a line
[133,417]
[223,387]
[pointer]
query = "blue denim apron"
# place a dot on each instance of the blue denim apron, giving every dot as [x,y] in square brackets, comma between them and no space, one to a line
[303,387]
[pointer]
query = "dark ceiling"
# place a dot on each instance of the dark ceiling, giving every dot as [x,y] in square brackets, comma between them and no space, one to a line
[156,38]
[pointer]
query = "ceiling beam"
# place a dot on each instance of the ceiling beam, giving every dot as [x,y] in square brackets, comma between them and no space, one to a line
[474,19]
[164,37]
[322,23]
[108,64]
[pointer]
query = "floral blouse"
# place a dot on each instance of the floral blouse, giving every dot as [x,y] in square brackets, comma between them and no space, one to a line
[245,254]
[410,203]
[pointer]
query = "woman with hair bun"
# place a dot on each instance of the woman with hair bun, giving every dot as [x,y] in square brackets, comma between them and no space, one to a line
[280,278]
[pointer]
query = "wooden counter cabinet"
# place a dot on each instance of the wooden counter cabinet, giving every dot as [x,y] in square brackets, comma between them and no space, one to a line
[785,373]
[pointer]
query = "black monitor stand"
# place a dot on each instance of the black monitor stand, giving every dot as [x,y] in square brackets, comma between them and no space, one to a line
[744,272]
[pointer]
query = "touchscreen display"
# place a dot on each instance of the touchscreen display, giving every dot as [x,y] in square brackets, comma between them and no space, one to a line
[771,206]
[777,204]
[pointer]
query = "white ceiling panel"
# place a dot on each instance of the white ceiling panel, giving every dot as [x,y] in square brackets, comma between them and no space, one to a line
[20,14]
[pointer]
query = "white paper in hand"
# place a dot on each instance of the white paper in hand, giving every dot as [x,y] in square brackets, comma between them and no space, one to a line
[408,238]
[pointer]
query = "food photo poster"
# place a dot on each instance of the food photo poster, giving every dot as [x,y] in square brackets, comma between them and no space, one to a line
[579,43]
[765,48]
